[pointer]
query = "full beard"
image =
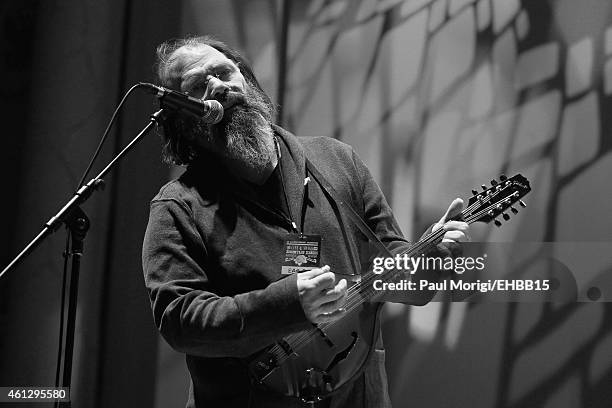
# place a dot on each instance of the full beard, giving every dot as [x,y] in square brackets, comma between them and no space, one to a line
[245,133]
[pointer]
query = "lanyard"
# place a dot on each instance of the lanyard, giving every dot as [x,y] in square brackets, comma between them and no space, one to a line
[282,179]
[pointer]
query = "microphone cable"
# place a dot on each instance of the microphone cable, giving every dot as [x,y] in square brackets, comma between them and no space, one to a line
[106,132]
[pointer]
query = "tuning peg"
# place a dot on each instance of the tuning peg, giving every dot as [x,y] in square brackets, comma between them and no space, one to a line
[493,182]
[474,192]
[497,223]
[484,187]
[503,177]
[506,216]
[514,210]
[522,203]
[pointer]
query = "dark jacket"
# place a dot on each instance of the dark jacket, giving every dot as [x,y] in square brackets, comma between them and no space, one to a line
[212,253]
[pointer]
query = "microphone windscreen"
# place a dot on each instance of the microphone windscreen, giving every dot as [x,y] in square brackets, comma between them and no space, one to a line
[214,113]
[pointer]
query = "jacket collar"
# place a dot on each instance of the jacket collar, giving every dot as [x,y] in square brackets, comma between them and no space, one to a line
[295,149]
[294,171]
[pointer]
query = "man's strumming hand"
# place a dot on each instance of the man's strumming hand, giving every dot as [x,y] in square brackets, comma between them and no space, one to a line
[321,297]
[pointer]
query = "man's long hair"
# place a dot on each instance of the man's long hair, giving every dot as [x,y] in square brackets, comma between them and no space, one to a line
[178,136]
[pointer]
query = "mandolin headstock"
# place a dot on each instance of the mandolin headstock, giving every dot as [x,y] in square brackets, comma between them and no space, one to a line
[487,205]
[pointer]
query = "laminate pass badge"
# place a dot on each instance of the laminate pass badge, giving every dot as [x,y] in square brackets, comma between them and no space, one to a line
[302,253]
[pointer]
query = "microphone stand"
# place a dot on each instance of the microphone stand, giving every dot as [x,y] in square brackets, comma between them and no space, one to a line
[77,223]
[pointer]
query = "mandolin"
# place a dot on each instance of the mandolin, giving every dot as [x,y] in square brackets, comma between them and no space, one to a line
[311,365]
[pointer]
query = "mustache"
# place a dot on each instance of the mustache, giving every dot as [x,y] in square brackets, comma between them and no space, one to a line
[232,98]
[252,101]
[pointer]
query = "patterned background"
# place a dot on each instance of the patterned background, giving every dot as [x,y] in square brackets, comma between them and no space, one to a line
[438,97]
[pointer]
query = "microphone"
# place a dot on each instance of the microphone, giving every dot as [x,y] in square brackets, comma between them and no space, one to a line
[210,111]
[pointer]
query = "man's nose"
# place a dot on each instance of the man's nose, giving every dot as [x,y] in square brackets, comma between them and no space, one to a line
[217,89]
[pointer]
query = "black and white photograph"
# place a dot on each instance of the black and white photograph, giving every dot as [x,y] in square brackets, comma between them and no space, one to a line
[306,204]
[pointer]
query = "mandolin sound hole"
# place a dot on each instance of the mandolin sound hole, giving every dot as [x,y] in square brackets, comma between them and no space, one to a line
[343,354]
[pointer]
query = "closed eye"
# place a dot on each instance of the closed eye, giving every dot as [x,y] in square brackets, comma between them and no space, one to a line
[223,74]
[199,86]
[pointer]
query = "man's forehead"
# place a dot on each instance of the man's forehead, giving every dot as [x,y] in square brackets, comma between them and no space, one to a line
[188,57]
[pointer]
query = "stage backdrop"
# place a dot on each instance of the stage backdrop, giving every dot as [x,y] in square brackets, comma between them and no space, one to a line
[438,97]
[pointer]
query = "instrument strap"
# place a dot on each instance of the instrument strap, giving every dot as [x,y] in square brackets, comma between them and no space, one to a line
[350,212]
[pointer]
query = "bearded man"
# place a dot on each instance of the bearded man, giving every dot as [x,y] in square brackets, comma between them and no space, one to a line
[216,245]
